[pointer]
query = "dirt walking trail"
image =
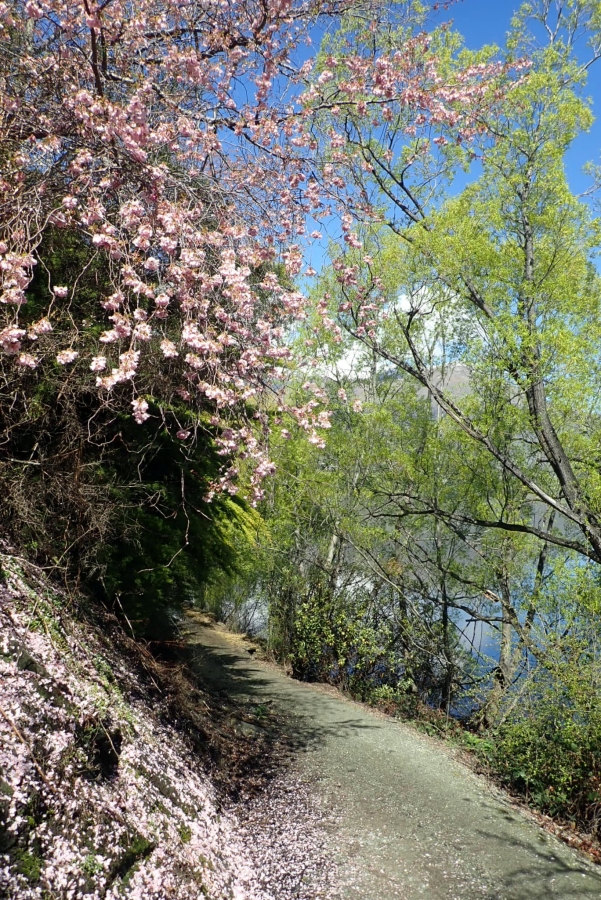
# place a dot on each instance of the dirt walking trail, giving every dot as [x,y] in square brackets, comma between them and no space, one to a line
[411,822]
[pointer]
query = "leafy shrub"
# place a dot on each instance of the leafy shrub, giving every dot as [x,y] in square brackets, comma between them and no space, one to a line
[335,642]
[551,750]
[341,637]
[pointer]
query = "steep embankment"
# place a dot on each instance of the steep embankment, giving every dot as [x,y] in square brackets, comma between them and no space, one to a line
[99,797]
[102,795]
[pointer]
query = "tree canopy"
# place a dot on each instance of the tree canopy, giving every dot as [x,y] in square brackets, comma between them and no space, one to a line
[425,409]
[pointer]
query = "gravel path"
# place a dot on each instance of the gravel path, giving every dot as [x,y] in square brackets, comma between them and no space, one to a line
[403,818]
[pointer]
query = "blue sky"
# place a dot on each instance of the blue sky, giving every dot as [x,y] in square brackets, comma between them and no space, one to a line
[487,22]
[481,21]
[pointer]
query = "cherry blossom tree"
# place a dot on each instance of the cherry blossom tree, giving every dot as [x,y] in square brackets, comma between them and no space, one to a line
[177,140]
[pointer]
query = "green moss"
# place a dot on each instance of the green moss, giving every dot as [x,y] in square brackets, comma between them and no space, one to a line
[104,669]
[29,865]
[5,789]
[185,833]
[139,848]
[91,865]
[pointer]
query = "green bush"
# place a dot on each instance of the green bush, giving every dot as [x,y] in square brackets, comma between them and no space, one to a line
[335,642]
[551,750]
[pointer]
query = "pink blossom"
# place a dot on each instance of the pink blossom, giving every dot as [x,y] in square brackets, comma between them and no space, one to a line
[98,363]
[10,339]
[113,303]
[60,292]
[66,356]
[43,326]
[27,360]
[142,332]
[314,438]
[139,407]
[168,349]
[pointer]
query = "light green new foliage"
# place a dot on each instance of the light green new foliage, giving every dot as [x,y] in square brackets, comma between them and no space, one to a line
[480,237]
[471,483]
[500,279]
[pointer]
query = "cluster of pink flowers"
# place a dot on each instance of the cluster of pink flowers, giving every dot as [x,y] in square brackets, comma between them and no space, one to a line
[181,239]
[15,274]
[181,247]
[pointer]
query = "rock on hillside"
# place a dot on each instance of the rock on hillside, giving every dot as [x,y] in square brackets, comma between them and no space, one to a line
[99,797]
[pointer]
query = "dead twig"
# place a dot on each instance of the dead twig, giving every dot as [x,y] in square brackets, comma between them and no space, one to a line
[26,743]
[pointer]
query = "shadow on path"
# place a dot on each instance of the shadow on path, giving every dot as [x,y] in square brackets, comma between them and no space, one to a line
[413,823]
[233,677]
